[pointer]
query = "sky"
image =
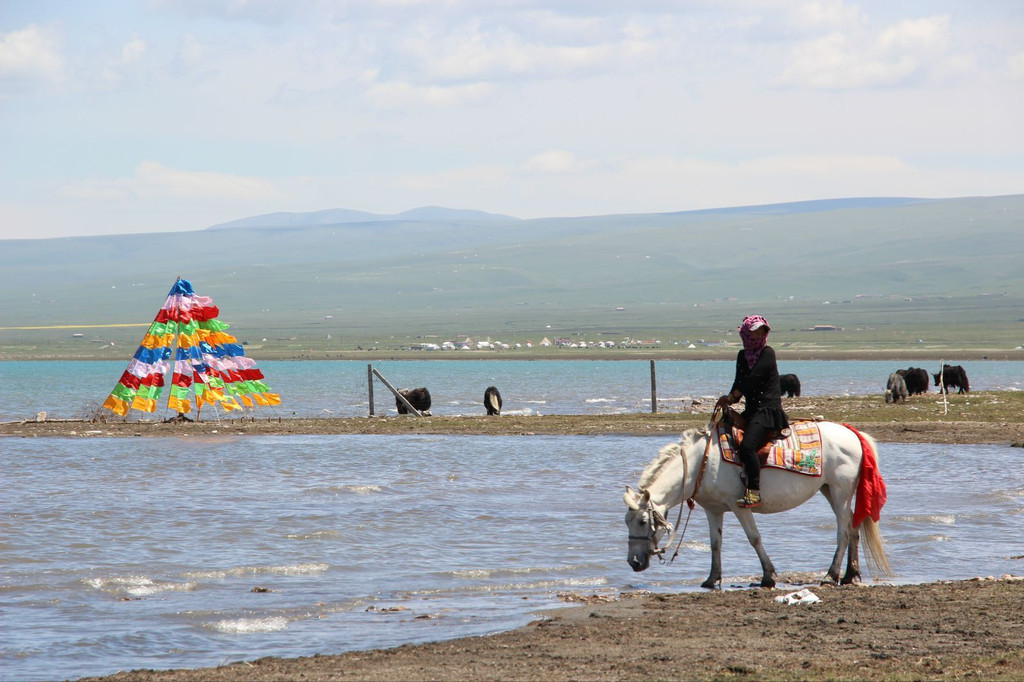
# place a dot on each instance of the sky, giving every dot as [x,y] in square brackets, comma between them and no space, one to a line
[121,116]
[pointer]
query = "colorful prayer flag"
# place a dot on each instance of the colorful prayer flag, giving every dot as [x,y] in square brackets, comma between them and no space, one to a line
[187,339]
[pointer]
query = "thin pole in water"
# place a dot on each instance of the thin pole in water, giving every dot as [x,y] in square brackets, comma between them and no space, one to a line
[654,390]
[369,384]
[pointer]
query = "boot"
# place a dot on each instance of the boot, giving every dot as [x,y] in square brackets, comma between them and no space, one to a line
[752,498]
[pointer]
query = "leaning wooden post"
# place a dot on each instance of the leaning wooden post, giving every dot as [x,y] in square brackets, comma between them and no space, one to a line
[397,394]
[654,391]
[369,384]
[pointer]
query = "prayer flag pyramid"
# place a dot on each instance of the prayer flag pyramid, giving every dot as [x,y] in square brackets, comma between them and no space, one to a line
[208,362]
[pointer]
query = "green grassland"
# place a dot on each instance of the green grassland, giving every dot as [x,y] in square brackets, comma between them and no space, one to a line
[919,276]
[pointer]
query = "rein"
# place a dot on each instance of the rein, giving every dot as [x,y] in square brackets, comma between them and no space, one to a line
[696,487]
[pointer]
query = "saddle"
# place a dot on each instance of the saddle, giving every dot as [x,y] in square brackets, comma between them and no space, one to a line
[797,449]
[737,425]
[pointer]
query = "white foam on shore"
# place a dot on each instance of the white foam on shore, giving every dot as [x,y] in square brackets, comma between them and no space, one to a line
[945,519]
[363,489]
[137,585]
[320,534]
[295,569]
[245,626]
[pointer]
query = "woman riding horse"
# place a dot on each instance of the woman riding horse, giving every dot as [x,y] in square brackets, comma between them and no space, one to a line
[757,380]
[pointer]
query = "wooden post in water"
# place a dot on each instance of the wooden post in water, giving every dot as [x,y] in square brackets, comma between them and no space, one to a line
[654,391]
[369,384]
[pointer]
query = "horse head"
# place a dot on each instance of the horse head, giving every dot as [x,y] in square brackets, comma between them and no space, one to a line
[647,525]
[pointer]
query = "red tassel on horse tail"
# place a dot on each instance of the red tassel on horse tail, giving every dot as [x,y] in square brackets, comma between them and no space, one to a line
[871,493]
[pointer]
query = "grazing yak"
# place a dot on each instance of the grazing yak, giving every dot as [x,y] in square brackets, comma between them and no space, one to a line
[790,385]
[417,397]
[896,389]
[492,401]
[953,376]
[915,378]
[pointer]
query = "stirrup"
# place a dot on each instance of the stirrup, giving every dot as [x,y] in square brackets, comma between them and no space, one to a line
[752,498]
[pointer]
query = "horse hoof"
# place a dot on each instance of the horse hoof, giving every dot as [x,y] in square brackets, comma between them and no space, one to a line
[709,584]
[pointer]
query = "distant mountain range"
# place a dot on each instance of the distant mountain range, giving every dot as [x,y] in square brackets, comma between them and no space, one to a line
[339,216]
[433,269]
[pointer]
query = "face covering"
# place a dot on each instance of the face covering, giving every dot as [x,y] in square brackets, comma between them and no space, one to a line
[752,347]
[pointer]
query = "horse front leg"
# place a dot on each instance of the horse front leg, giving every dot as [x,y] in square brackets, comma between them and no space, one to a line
[746,519]
[715,529]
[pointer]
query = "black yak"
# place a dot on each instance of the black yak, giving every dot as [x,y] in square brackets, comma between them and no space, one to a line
[952,376]
[915,378]
[790,385]
[492,401]
[417,397]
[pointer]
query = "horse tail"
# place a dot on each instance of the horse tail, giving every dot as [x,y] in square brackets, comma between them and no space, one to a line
[870,499]
[874,547]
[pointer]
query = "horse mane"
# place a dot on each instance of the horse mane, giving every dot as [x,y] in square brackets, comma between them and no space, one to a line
[665,455]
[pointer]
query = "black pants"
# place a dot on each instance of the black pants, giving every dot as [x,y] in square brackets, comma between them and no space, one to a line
[754,437]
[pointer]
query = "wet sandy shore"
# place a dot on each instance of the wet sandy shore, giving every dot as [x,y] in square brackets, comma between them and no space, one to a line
[938,631]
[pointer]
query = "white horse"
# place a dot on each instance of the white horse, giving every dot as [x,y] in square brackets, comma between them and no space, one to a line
[693,470]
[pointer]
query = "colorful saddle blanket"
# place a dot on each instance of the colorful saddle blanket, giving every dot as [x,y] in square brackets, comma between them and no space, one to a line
[799,452]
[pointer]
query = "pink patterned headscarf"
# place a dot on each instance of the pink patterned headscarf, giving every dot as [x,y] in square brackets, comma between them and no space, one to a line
[752,347]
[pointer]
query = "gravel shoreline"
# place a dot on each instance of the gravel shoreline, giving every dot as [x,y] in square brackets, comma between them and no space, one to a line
[949,431]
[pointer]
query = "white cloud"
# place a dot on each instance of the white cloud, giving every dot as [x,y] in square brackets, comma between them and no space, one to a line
[834,63]
[399,95]
[133,50]
[555,161]
[917,36]
[126,64]
[827,14]
[30,54]
[474,60]
[155,181]
[500,55]
[860,59]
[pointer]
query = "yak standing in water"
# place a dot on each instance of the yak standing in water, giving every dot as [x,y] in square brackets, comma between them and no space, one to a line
[417,397]
[492,401]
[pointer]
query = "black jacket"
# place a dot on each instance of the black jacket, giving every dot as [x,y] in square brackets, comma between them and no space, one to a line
[760,387]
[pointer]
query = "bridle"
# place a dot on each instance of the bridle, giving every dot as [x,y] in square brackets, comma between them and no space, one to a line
[658,520]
